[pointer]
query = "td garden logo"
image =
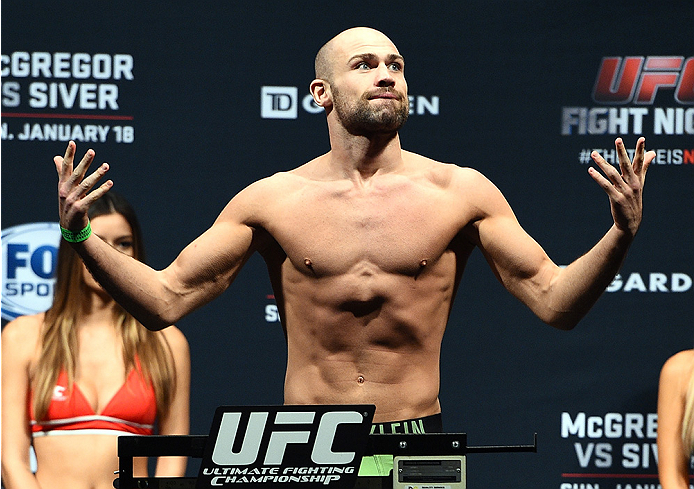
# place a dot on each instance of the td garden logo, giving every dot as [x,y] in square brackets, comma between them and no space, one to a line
[281,103]
[278,102]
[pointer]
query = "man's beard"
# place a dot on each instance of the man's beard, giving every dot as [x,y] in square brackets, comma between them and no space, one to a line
[362,118]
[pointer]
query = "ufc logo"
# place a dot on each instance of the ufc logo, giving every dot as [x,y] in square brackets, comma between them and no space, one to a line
[637,79]
[321,453]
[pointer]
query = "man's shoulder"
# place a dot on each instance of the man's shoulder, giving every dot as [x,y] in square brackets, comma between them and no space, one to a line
[444,174]
[417,160]
[263,196]
[270,186]
[290,179]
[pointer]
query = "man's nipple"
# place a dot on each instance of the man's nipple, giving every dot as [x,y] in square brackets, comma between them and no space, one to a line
[422,264]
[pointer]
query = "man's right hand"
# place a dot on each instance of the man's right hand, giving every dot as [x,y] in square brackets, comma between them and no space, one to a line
[74,196]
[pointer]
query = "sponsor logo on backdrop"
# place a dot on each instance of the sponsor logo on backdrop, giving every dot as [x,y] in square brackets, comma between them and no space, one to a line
[654,282]
[639,95]
[279,102]
[272,313]
[284,103]
[61,96]
[616,450]
[29,256]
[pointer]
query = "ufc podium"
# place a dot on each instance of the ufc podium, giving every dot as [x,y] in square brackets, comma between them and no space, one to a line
[287,447]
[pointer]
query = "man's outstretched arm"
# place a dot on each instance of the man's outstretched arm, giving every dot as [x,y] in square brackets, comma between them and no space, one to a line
[157,299]
[562,296]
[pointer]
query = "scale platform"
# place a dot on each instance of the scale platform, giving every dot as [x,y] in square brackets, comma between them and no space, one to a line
[321,447]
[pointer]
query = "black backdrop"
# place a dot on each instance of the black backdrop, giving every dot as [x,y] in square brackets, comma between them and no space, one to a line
[494,84]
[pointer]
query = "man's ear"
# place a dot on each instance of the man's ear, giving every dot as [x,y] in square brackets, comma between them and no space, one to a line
[320,91]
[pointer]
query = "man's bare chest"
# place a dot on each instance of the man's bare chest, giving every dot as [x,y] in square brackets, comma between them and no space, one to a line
[394,232]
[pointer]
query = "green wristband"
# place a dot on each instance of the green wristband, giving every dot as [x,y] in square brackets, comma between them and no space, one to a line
[71,237]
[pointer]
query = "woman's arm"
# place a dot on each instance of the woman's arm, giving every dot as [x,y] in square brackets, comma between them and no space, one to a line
[177,422]
[19,340]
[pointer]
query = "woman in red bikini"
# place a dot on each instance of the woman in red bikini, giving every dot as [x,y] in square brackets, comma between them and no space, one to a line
[85,372]
[676,421]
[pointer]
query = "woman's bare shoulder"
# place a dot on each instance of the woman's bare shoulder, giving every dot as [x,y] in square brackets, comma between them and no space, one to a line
[175,337]
[21,337]
[23,328]
[678,365]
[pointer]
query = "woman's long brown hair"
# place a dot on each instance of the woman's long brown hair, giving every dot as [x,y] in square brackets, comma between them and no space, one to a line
[59,345]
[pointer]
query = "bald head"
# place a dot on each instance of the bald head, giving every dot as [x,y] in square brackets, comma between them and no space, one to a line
[331,50]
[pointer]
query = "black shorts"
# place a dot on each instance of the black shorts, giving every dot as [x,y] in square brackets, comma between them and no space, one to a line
[427,424]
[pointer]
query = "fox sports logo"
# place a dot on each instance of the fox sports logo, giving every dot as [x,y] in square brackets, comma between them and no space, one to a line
[29,256]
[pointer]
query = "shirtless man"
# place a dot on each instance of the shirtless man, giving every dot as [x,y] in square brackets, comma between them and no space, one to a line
[365,245]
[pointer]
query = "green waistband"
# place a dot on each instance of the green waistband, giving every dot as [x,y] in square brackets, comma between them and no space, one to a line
[376,465]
